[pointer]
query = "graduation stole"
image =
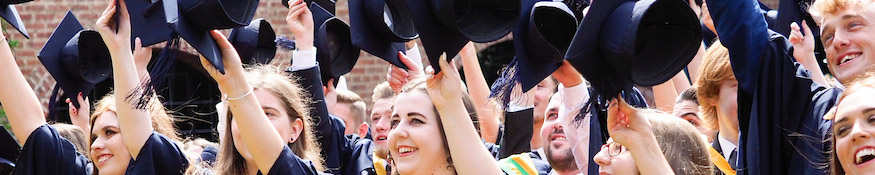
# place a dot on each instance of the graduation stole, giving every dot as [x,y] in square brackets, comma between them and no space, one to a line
[720,161]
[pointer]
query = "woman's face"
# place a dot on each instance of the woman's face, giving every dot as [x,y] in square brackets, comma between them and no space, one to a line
[108,151]
[853,130]
[275,110]
[415,141]
[621,164]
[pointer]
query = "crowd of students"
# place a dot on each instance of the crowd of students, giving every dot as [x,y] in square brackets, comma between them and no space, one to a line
[750,101]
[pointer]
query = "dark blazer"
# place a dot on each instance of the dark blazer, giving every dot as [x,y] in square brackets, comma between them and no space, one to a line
[780,109]
[342,155]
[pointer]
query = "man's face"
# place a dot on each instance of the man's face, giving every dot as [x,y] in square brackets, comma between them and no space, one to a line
[848,37]
[543,91]
[380,121]
[553,139]
[343,110]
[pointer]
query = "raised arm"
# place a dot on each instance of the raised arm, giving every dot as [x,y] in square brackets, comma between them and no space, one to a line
[23,109]
[744,32]
[261,138]
[479,92]
[470,156]
[135,124]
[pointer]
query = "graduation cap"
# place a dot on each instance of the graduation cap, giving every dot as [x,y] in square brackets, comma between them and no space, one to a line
[193,19]
[621,43]
[446,26]
[9,151]
[327,4]
[77,58]
[254,42]
[541,39]
[148,21]
[335,52]
[10,14]
[380,27]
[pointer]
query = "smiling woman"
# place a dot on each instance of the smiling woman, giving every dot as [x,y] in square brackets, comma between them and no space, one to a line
[854,128]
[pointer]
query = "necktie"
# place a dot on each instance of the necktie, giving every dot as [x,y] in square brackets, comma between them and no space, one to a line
[733,158]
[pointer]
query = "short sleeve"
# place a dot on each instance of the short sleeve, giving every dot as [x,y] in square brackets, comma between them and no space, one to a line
[159,155]
[46,152]
[289,163]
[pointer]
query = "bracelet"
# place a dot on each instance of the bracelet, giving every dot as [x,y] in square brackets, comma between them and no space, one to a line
[238,98]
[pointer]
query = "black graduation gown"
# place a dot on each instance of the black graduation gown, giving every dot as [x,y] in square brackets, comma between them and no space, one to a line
[780,108]
[517,133]
[289,163]
[47,153]
[159,155]
[342,155]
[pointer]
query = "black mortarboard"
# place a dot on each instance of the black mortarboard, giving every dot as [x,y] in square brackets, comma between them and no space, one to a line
[335,53]
[445,26]
[642,42]
[193,19]
[10,14]
[380,27]
[147,22]
[9,151]
[480,21]
[541,39]
[77,58]
[254,42]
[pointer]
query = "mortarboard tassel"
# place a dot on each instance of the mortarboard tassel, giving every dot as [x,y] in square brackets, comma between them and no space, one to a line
[503,86]
[157,75]
[285,43]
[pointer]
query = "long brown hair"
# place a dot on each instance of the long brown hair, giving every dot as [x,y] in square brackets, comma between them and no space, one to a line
[295,101]
[684,148]
[863,81]
[161,121]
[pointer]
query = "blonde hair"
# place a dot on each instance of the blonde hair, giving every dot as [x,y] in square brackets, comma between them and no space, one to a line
[75,135]
[822,9]
[161,122]
[295,99]
[715,69]
[684,148]
[356,105]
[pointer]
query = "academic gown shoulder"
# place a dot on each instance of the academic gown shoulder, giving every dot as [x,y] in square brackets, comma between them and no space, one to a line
[289,163]
[780,109]
[47,153]
[342,155]
[159,155]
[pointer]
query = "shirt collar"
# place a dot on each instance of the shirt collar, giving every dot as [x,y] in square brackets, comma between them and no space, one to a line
[725,145]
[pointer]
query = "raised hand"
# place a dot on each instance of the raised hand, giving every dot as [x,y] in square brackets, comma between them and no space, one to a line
[444,88]
[626,125]
[142,56]
[107,27]
[397,76]
[300,22]
[232,82]
[80,116]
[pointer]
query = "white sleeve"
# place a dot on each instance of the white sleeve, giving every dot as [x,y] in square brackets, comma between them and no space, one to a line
[303,59]
[415,56]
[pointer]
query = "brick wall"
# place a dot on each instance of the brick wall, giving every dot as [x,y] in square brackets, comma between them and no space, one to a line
[42,16]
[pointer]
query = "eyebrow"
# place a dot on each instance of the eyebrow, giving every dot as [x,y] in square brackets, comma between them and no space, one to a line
[868,110]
